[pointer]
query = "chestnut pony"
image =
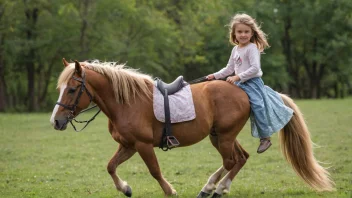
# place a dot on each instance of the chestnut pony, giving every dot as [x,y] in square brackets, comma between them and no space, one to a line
[125,97]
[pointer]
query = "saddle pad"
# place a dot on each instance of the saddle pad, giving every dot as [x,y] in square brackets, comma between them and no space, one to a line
[181,105]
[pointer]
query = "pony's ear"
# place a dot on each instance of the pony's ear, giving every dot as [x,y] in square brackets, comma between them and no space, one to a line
[65,62]
[78,68]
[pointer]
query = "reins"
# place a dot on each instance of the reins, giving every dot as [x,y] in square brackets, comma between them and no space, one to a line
[198,80]
[86,121]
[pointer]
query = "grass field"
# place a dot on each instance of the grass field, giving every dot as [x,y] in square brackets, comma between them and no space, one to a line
[37,161]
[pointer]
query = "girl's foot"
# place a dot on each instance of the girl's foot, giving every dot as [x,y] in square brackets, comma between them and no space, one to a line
[264,145]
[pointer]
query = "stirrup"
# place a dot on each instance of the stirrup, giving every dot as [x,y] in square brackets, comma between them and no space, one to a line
[172,142]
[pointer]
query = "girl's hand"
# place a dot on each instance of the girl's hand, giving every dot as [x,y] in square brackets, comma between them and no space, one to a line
[210,77]
[233,79]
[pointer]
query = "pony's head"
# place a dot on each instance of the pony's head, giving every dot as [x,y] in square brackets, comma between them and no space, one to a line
[74,95]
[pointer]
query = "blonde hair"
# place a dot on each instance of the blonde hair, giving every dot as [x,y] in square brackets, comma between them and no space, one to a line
[127,83]
[258,38]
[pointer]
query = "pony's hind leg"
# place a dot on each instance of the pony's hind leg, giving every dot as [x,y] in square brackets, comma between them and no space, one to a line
[121,155]
[225,183]
[212,181]
[215,177]
[229,154]
[146,151]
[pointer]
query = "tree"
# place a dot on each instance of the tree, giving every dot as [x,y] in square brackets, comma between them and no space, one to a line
[309,55]
[3,88]
[308,41]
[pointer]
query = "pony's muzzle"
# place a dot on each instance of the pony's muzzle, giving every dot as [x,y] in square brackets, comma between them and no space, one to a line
[60,124]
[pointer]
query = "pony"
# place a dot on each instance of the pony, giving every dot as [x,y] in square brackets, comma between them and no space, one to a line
[124,95]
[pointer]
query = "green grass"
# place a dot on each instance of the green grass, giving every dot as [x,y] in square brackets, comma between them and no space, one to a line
[37,161]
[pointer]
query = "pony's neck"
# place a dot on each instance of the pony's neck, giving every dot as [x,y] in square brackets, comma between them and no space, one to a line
[104,96]
[102,91]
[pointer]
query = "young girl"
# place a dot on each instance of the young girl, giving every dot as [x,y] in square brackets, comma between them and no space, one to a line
[268,112]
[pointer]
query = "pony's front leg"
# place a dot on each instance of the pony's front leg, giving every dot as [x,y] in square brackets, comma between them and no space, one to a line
[146,151]
[121,155]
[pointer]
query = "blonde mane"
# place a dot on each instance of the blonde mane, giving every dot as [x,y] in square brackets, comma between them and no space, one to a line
[127,82]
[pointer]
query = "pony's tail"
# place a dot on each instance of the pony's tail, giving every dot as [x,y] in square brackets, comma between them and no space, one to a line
[296,146]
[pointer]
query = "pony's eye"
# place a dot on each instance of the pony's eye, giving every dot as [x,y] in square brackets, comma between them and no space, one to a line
[71,90]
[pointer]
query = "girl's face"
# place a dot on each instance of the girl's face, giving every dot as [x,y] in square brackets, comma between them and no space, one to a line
[243,34]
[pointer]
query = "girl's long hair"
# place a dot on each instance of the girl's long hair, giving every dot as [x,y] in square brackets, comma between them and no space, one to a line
[258,38]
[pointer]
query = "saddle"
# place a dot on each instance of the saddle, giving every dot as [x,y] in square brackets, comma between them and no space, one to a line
[168,141]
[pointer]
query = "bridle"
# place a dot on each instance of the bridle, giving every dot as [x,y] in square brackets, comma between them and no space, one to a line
[73,107]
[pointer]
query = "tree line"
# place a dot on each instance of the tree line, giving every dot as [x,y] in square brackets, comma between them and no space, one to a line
[309,57]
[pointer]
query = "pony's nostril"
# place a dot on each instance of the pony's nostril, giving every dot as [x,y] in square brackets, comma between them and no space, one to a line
[56,125]
[60,124]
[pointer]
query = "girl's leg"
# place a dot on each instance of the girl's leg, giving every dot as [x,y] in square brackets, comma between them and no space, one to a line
[254,89]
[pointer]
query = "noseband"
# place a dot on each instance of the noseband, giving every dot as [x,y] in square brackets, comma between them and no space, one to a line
[73,107]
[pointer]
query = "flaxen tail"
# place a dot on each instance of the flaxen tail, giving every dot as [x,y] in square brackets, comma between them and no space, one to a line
[296,146]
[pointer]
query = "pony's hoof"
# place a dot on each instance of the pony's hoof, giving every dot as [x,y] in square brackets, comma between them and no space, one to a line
[203,194]
[216,195]
[128,192]
[173,194]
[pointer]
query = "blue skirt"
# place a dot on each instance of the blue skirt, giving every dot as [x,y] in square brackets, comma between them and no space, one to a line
[269,114]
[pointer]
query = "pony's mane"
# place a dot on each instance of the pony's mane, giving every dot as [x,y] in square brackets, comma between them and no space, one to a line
[127,82]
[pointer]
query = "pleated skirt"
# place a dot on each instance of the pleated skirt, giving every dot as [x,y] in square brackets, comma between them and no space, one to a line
[269,114]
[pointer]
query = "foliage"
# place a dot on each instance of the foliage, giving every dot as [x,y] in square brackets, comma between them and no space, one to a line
[313,37]
[309,55]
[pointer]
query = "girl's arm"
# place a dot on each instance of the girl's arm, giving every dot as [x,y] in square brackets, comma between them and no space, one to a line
[254,62]
[229,69]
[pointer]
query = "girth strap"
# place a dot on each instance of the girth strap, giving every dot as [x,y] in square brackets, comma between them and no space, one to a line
[168,141]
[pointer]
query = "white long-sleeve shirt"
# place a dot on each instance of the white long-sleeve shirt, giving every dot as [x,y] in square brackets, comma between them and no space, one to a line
[245,62]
